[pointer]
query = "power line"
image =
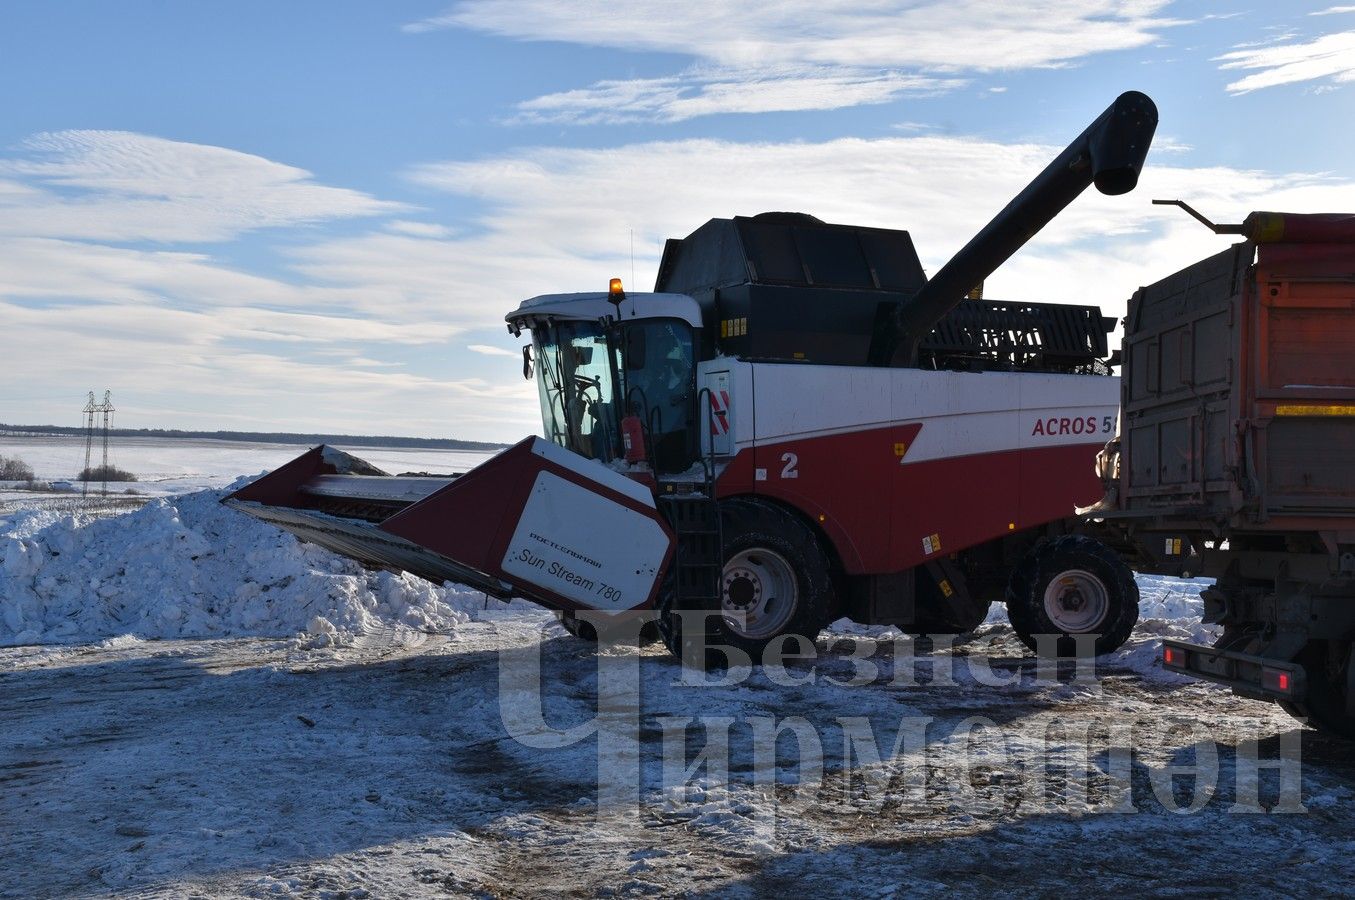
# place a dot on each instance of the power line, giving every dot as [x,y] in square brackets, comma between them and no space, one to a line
[91,410]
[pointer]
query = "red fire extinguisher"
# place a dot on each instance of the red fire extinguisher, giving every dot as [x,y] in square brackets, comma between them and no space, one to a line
[633,439]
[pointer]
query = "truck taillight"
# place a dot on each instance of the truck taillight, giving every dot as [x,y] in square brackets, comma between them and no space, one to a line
[633,439]
[1276,680]
[1173,657]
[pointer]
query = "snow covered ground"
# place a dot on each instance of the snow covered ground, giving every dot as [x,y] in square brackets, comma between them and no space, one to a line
[193,702]
[165,467]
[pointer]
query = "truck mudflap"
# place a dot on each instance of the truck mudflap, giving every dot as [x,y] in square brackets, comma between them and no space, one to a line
[1257,677]
[535,521]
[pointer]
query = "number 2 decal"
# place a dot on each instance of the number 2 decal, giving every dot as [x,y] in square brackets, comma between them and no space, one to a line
[789,470]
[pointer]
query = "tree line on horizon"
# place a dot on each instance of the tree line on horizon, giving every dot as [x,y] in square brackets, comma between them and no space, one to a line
[261,437]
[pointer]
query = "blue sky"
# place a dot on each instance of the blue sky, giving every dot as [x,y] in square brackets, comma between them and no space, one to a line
[313,216]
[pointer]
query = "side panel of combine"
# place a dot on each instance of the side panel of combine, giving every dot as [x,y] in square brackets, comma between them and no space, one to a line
[901,466]
[535,521]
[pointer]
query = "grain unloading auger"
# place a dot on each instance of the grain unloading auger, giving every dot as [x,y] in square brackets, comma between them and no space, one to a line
[796,426]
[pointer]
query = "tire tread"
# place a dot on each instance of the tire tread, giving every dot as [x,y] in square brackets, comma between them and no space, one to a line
[1025,591]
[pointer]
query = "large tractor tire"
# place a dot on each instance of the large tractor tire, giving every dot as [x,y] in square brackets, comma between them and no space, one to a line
[1325,665]
[1073,585]
[775,581]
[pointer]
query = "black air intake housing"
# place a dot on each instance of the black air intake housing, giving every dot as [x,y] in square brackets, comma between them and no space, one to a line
[788,286]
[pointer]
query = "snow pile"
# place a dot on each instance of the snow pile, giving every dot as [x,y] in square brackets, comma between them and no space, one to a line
[188,567]
[1168,608]
[1163,598]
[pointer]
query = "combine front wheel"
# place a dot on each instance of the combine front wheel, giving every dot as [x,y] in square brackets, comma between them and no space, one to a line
[775,581]
[1073,585]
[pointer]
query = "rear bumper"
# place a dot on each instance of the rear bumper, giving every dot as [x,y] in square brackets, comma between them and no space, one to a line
[1258,677]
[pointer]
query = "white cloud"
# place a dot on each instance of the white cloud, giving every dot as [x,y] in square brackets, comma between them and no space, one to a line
[121,186]
[803,54]
[418,229]
[490,350]
[1165,143]
[167,369]
[272,309]
[1331,56]
[974,34]
[559,219]
[393,332]
[1333,10]
[183,338]
[726,91]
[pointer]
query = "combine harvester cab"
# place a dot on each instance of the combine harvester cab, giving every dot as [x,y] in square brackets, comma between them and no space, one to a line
[535,521]
[797,425]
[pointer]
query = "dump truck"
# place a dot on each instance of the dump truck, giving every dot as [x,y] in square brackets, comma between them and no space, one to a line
[796,425]
[1235,456]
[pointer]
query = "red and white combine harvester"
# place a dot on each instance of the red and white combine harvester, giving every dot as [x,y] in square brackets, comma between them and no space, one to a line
[798,425]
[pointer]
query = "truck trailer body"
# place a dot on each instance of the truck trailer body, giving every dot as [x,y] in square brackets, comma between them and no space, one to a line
[1236,447]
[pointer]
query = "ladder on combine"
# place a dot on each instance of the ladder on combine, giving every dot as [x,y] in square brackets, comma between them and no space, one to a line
[698,558]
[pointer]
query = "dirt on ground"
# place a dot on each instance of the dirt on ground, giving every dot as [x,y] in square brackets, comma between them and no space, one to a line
[256,768]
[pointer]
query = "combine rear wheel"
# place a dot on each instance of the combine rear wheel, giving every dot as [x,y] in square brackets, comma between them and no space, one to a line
[1073,585]
[1326,665]
[775,581]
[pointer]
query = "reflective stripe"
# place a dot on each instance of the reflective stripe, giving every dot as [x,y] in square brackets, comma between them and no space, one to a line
[1323,409]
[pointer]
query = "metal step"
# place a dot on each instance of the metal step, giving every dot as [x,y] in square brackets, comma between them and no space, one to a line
[699,560]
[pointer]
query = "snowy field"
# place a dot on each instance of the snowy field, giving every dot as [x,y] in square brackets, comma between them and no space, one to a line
[165,467]
[194,703]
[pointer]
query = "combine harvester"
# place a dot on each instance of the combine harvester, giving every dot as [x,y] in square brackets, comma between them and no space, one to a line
[796,426]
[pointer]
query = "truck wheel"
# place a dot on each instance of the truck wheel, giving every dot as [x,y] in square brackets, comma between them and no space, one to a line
[775,581]
[1069,586]
[1325,664]
[584,631]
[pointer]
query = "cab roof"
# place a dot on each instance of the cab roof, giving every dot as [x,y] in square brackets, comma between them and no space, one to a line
[595,305]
